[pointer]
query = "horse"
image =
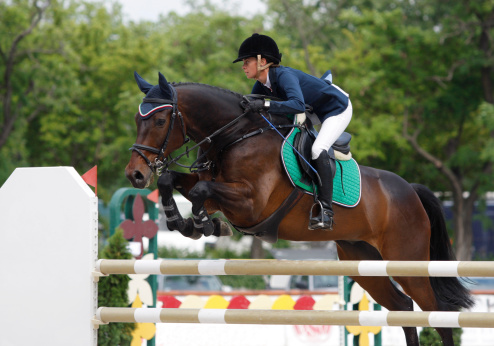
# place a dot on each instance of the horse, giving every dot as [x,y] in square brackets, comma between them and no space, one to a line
[239,172]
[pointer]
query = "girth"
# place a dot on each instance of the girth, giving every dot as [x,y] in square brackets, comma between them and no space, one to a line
[267,229]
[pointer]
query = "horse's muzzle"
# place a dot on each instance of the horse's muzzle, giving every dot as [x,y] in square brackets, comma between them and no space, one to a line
[138,178]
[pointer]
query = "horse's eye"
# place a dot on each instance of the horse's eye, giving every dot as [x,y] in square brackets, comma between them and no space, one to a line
[160,122]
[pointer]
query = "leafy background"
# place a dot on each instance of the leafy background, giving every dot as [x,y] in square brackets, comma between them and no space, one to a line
[419,74]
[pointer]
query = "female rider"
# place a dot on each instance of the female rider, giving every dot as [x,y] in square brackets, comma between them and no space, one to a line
[261,58]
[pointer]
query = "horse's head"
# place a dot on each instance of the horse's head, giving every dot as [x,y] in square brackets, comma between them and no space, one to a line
[157,132]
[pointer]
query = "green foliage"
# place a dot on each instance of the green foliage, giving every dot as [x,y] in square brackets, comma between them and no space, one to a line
[414,63]
[282,244]
[429,337]
[112,292]
[250,282]
[209,253]
[172,252]
[86,96]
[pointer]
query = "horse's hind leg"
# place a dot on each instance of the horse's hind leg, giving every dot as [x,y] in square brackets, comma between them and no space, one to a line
[420,290]
[380,288]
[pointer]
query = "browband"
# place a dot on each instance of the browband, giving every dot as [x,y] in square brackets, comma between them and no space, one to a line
[154,100]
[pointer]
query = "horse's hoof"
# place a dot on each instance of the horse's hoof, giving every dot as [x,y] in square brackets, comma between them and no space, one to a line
[175,225]
[187,229]
[195,235]
[208,228]
[221,228]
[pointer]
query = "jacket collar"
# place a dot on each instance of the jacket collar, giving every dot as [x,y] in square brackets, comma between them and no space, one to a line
[273,78]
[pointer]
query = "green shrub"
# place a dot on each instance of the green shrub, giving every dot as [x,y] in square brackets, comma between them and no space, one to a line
[112,292]
[429,337]
[172,252]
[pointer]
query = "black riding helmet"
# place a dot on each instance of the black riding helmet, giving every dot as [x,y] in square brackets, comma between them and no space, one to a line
[259,44]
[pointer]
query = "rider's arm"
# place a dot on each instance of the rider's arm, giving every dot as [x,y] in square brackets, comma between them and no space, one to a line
[295,99]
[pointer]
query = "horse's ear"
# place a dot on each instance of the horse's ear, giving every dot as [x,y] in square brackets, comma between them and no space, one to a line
[143,85]
[164,86]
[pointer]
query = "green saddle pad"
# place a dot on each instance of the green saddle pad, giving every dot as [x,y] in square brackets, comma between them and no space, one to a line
[346,187]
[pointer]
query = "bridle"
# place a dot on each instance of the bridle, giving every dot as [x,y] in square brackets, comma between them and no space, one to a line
[160,159]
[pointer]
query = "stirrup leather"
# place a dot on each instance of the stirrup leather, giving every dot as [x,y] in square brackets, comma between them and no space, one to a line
[317,222]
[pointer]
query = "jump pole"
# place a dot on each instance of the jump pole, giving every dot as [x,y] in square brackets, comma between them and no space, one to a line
[292,267]
[298,317]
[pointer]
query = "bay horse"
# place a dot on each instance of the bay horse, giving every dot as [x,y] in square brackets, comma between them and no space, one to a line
[239,172]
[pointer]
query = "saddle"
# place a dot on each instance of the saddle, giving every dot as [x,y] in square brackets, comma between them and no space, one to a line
[303,141]
[346,190]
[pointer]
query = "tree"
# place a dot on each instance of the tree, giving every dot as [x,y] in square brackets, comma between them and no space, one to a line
[419,76]
[23,48]
[18,25]
[94,100]
[470,26]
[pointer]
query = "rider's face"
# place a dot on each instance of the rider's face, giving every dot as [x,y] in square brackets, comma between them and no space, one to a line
[250,67]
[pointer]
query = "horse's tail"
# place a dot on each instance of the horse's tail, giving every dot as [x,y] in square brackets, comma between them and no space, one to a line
[449,291]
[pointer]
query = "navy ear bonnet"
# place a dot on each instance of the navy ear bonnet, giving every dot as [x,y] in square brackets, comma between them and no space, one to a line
[158,97]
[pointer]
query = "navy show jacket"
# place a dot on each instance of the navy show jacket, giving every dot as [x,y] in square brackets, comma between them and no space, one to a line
[298,88]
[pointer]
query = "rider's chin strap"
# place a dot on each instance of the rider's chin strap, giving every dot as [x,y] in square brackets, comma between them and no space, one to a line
[261,68]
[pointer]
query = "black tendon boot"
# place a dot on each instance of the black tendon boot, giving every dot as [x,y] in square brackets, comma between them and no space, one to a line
[326,167]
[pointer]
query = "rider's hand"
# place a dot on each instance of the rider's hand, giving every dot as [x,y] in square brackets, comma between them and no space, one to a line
[254,106]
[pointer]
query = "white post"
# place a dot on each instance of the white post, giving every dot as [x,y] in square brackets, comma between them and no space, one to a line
[49,233]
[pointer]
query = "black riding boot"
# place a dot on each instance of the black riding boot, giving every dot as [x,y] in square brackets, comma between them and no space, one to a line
[326,167]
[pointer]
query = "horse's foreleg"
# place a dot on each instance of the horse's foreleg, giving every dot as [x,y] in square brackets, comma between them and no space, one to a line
[231,198]
[201,222]
[174,220]
[198,196]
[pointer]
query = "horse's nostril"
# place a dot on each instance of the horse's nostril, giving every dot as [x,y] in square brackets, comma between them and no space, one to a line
[138,175]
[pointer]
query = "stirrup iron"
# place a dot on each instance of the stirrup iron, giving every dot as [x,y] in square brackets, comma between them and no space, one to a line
[319,224]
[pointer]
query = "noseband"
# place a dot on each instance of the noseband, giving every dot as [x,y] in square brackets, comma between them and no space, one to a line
[159,160]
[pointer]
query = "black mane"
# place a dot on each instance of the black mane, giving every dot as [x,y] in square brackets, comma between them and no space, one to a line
[238,95]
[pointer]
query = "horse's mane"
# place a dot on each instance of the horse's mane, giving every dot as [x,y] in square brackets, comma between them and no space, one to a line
[233,93]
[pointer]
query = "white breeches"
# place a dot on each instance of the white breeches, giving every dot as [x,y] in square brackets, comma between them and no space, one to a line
[331,129]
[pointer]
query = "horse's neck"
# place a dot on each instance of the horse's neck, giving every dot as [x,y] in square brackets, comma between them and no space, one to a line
[211,112]
[205,113]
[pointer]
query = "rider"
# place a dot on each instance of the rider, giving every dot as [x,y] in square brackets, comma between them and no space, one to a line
[261,58]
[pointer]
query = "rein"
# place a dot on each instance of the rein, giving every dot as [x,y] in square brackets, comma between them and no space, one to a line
[195,167]
[162,162]
[205,166]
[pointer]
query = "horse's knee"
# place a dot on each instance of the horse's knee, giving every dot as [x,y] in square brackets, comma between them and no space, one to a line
[165,185]
[200,192]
